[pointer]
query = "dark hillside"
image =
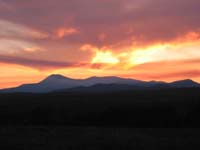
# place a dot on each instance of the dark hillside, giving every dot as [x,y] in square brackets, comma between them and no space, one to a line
[139,108]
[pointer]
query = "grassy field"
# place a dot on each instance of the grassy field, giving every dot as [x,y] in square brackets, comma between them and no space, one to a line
[97,138]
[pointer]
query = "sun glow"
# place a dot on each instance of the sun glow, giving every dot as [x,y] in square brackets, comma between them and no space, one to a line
[105,57]
[150,54]
[165,52]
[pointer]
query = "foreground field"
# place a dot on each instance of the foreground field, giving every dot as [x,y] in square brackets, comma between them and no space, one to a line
[167,108]
[97,138]
[133,120]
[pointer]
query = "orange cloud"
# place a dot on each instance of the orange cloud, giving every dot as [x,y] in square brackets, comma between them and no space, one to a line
[101,55]
[62,32]
[166,70]
[105,57]
[132,56]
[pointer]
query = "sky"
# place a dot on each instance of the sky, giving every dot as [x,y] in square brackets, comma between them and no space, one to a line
[139,39]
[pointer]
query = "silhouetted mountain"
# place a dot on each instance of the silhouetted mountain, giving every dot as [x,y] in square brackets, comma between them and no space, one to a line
[51,83]
[111,79]
[185,83]
[57,82]
[103,88]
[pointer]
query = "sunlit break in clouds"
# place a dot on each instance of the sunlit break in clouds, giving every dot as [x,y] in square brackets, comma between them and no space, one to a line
[141,39]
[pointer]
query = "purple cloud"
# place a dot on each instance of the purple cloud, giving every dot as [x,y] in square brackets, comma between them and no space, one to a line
[39,64]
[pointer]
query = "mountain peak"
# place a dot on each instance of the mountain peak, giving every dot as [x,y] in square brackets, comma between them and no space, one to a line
[56,76]
[188,80]
[185,83]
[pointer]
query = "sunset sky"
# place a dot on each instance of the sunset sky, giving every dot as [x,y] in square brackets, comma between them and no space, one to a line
[140,39]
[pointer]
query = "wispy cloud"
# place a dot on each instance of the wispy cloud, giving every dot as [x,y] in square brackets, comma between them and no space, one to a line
[17,38]
[14,30]
[9,46]
[39,64]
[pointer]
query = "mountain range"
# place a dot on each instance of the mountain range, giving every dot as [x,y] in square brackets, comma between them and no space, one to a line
[59,83]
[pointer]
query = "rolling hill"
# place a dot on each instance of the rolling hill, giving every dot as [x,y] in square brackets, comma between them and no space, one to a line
[57,82]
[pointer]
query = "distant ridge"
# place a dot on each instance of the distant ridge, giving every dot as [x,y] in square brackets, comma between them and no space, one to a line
[185,83]
[56,82]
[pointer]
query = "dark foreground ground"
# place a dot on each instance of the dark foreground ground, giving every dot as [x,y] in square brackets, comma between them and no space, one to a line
[97,138]
[127,120]
[168,108]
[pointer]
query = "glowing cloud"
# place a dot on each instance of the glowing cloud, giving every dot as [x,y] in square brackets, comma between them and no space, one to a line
[62,32]
[102,55]
[141,56]
[105,57]
[165,52]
